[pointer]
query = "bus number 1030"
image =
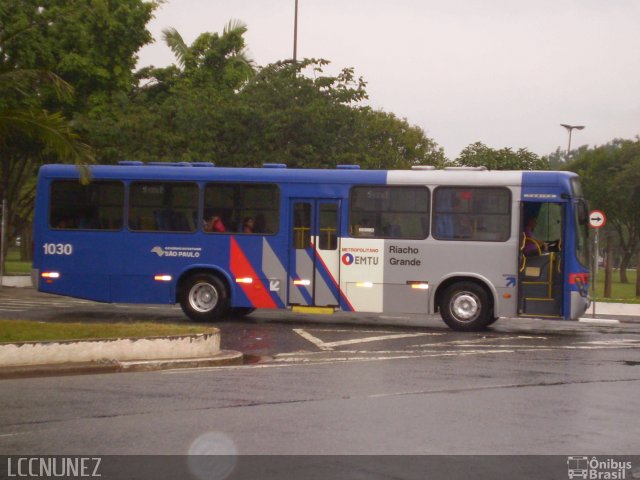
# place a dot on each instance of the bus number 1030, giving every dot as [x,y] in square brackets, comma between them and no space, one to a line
[57,248]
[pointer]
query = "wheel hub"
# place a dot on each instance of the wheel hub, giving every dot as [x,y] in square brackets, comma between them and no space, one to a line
[203,297]
[465,306]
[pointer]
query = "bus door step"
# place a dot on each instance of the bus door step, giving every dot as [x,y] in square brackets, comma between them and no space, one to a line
[542,306]
[312,310]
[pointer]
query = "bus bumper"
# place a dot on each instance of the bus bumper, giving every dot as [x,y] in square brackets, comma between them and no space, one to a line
[579,305]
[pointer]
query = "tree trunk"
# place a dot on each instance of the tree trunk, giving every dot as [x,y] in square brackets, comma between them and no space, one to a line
[624,264]
[608,268]
[638,273]
[26,247]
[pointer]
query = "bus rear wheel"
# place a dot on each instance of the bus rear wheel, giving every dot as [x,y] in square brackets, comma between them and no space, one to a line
[204,298]
[466,307]
[239,312]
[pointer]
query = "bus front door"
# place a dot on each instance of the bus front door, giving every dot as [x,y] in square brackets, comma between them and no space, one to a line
[541,260]
[314,258]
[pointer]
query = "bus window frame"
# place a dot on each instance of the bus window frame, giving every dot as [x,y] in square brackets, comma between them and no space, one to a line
[509,214]
[426,215]
[128,206]
[123,205]
[277,209]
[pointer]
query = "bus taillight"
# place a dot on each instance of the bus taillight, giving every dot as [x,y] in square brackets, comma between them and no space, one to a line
[582,278]
[50,275]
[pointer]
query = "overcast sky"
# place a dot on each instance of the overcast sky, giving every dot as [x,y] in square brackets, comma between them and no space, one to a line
[503,72]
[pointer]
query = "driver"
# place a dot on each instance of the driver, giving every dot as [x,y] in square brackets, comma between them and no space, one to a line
[533,246]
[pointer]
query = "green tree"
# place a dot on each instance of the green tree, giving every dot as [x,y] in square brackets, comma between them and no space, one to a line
[91,44]
[186,111]
[287,112]
[27,136]
[221,60]
[49,49]
[303,117]
[389,142]
[478,155]
[611,180]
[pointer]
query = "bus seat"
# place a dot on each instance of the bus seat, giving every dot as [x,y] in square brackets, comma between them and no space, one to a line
[160,220]
[178,222]
[537,267]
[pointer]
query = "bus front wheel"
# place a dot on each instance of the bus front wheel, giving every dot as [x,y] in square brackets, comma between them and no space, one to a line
[204,298]
[466,307]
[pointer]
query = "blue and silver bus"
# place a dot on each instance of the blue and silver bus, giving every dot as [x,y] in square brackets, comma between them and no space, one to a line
[225,241]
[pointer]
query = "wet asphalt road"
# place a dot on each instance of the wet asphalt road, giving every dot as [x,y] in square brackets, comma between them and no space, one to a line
[345,384]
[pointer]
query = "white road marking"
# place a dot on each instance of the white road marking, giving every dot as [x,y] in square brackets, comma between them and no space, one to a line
[478,340]
[4,435]
[307,336]
[322,345]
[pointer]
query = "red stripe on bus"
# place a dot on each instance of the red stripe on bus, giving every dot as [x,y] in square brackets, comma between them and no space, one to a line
[256,292]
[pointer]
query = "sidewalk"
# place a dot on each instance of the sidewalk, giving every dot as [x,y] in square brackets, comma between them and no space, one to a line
[623,309]
[20,281]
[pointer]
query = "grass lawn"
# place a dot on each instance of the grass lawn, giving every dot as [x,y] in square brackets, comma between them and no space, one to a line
[620,292]
[13,265]
[24,330]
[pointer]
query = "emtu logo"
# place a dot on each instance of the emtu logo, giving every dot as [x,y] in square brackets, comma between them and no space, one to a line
[347,259]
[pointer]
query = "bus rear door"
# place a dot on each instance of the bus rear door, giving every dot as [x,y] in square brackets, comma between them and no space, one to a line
[314,253]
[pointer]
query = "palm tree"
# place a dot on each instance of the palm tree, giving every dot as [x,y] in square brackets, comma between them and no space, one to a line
[52,130]
[26,130]
[213,57]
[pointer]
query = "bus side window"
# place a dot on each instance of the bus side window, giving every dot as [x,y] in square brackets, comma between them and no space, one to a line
[162,206]
[389,212]
[237,202]
[96,206]
[472,213]
[328,234]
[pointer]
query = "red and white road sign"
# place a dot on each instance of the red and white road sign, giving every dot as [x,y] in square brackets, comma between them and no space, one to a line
[597,219]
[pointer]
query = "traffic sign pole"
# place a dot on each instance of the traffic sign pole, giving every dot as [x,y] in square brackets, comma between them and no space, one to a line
[597,220]
[595,270]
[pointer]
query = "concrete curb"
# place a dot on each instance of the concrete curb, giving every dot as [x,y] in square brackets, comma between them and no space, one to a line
[20,281]
[222,358]
[200,345]
[73,357]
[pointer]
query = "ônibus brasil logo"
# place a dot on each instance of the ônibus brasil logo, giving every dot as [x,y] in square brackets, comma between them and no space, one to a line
[595,468]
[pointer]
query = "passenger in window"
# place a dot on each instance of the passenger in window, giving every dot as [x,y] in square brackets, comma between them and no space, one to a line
[248,225]
[464,226]
[532,246]
[64,223]
[260,225]
[214,224]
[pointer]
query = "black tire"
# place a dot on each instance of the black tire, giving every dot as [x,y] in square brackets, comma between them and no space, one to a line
[492,320]
[239,312]
[204,298]
[466,307]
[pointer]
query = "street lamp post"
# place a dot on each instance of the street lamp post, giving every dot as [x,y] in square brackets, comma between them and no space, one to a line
[570,129]
[295,34]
